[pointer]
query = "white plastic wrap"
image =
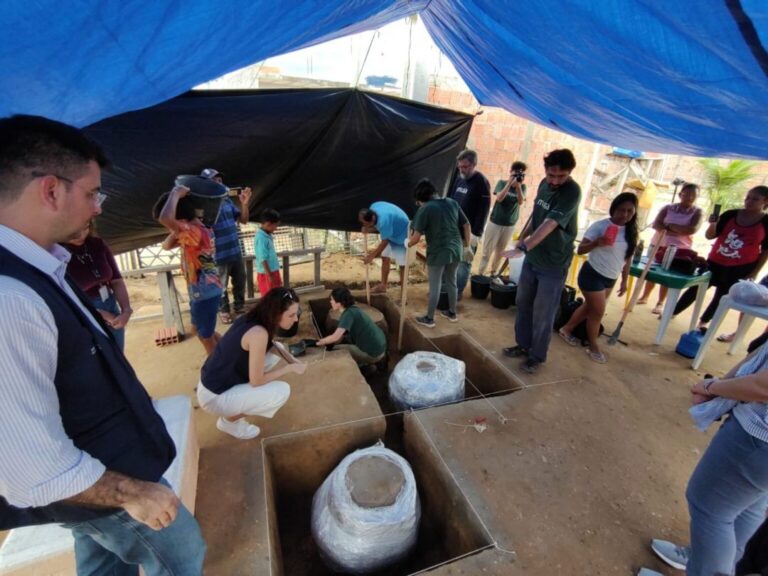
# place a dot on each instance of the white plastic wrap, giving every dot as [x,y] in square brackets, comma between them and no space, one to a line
[424,379]
[750,293]
[358,540]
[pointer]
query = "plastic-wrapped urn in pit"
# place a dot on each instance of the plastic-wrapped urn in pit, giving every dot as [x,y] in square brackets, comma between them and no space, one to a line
[365,516]
[423,379]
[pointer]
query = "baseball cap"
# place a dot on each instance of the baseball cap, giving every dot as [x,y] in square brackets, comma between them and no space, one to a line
[211,173]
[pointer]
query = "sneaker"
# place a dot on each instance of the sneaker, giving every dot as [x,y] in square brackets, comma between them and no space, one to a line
[239,428]
[675,556]
[514,351]
[452,316]
[530,365]
[648,572]
[425,321]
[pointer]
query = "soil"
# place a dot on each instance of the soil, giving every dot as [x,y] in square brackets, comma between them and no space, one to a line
[590,462]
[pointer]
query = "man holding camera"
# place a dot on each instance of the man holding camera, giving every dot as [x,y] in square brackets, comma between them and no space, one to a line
[547,244]
[229,255]
[510,194]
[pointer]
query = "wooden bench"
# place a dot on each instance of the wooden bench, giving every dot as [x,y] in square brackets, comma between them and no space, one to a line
[48,550]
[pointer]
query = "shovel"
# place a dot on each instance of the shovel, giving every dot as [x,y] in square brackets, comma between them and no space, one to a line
[638,288]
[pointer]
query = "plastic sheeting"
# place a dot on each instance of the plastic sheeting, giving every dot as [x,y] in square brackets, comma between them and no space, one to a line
[359,540]
[685,77]
[316,156]
[423,379]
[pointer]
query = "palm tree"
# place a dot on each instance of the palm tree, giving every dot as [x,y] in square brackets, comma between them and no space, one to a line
[725,184]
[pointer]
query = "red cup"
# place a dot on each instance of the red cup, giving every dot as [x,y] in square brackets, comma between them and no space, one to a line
[611,232]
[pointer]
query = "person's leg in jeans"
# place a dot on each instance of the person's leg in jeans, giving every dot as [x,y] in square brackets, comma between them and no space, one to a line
[546,304]
[237,274]
[449,276]
[434,276]
[178,549]
[726,499]
[526,294]
[224,278]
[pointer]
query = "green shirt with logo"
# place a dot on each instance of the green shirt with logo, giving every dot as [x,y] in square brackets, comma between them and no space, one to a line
[363,331]
[506,212]
[439,220]
[560,204]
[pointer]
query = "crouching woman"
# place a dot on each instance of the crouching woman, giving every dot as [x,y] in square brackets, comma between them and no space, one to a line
[239,378]
[367,342]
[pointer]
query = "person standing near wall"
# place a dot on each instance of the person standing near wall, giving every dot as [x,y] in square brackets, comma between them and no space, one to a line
[229,254]
[547,244]
[510,195]
[473,193]
[439,219]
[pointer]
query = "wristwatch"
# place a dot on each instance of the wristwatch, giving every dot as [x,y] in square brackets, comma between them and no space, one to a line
[522,247]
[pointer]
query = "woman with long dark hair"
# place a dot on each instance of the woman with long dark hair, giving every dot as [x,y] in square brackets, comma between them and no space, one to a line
[239,378]
[739,251]
[610,244]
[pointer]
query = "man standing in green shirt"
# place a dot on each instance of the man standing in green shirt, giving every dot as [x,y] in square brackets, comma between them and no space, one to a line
[439,220]
[509,194]
[548,251]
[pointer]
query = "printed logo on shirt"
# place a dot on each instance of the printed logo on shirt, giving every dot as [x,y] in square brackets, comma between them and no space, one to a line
[543,203]
[461,190]
[731,246]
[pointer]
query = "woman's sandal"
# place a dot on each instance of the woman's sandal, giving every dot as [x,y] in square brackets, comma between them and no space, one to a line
[598,357]
[570,339]
[726,337]
[658,309]
[225,318]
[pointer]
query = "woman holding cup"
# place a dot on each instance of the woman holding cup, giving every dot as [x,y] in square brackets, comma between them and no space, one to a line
[610,244]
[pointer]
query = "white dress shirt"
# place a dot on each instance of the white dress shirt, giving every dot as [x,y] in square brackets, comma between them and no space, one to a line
[39,464]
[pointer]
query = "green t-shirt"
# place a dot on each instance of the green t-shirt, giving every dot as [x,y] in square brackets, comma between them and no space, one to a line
[562,206]
[506,212]
[363,331]
[439,220]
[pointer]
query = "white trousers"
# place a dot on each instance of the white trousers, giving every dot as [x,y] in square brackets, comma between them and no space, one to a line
[264,400]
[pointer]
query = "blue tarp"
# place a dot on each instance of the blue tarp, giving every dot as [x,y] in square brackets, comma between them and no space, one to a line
[681,77]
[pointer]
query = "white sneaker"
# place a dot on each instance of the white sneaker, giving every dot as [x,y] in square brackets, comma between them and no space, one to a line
[648,572]
[675,556]
[239,428]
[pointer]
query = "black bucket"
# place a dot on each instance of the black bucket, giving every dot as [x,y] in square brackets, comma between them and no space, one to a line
[481,285]
[503,296]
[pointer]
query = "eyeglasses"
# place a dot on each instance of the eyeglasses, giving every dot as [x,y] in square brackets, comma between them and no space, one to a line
[97,198]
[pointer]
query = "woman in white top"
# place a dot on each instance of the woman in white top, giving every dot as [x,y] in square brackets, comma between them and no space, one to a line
[608,259]
[681,221]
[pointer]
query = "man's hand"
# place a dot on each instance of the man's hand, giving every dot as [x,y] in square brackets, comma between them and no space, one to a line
[369,257]
[468,255]
[245,196]
[153,504]
[122,319]
[513,253]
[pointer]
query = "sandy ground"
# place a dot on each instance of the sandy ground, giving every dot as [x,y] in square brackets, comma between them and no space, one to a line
[592,464]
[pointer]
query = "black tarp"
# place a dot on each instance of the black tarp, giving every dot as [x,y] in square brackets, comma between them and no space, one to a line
[317,156]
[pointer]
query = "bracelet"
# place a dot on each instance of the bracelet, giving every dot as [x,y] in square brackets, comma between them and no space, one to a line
[708,384]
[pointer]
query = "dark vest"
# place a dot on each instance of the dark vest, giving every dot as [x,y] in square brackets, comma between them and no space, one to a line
[104,408]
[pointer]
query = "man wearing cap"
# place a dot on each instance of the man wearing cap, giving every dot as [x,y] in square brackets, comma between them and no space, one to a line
[229,254]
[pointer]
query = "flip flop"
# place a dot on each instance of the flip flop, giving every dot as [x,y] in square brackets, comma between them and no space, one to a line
[598,357]
[658,309]
[225,318]
[570,339]
[726,337]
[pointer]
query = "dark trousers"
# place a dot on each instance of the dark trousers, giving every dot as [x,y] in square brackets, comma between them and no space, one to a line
[723,277]
[235,271]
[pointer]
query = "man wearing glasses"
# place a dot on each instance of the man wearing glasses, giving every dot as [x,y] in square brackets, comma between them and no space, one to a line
[82,444]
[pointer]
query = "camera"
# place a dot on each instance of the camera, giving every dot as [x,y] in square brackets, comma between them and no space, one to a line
[519,175]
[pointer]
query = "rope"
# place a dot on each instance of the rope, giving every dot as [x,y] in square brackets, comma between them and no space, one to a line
[360,71]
